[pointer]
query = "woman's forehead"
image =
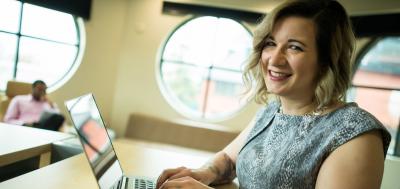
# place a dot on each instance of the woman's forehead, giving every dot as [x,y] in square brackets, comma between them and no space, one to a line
[294,27]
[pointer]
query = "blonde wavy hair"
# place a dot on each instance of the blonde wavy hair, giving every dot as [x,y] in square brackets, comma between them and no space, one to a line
[335,45]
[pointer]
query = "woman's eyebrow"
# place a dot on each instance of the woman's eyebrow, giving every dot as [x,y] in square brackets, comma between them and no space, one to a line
[270,38]
[297,41]
[290,40]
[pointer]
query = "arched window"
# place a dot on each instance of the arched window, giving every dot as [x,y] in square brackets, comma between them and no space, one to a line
[376,83]
[200,67]
[38,43]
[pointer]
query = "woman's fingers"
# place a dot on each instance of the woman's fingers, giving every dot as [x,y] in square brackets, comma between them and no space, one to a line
[184,183]
[166,174]
[182,173]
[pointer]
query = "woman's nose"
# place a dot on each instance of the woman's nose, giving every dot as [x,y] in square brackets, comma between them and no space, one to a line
[277,58]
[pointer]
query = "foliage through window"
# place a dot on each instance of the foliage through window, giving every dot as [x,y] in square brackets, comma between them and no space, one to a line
[376,85]
[200,67]
[37,43]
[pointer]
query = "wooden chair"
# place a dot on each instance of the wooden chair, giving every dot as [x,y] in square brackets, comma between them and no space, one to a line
[13,89]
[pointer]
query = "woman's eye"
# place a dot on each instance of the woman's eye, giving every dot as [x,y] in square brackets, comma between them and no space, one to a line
[296,48]
[269,44]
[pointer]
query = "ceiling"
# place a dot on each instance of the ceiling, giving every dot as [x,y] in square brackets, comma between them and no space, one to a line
[354,7]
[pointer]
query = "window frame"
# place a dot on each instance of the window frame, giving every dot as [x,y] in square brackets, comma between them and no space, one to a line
[364,51]
[165,92]
[80,45]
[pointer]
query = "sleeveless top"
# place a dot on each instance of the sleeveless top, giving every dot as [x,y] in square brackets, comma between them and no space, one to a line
[287,151]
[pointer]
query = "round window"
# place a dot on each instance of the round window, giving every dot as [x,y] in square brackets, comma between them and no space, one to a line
[38,43]
[376,83]
[200,67]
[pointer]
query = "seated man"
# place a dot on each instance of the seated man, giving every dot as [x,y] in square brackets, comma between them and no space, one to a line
[34,109]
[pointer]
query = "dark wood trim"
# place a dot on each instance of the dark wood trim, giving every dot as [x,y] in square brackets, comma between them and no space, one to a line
[79,8]
[173,8]
[364,25]
[376,25]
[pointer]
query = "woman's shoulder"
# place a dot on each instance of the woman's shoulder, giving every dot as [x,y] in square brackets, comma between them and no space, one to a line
[350,121]
[351,114]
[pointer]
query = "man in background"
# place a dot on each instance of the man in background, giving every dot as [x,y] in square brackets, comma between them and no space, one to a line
[34,109]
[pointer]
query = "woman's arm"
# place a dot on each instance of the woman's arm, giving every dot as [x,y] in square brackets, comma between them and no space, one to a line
[223,166]
[220,169]
[357,164]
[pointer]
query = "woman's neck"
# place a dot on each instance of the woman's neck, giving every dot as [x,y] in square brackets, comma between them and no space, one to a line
[297,107]
[304,107]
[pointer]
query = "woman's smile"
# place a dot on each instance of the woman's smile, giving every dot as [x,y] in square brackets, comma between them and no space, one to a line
[278,76]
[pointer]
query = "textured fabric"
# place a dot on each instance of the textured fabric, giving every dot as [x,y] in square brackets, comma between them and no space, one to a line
[286,151]
[24,109]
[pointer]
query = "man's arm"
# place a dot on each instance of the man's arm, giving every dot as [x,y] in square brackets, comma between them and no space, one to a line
[12,113]
[52,104]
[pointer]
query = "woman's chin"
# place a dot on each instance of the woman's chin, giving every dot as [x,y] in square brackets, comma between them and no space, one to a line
[277,92]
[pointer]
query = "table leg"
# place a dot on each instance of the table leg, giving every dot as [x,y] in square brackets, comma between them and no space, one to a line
[44,159]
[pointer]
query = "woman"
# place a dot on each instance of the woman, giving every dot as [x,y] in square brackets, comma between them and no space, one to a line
[308,137]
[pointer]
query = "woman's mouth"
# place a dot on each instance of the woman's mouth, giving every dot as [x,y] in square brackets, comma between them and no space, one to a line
[278,76]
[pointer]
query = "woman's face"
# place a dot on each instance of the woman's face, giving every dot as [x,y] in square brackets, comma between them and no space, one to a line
[289,58]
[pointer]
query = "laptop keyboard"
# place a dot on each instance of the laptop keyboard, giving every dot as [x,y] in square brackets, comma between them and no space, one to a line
[137,183]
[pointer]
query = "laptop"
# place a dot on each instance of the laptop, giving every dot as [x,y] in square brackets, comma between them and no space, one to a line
[98,147]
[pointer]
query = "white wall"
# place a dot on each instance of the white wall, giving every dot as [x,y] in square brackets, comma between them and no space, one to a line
[146,29]
[98,70]
[123,39]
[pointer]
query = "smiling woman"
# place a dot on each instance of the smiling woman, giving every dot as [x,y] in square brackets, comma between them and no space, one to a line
[38,43]
[307,136]
[289,58]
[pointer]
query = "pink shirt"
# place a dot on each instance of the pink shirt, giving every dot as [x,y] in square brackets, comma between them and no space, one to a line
[24,109]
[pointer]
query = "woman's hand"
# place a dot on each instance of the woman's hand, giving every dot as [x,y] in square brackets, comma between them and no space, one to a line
[181,176]
[184,183]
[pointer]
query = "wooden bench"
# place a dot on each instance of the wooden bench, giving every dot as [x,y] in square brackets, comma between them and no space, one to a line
[202,136]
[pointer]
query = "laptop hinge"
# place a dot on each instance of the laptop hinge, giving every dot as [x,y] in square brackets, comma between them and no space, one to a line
[123,181]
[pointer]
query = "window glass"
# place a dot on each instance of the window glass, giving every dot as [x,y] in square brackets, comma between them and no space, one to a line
[9,15]
[48,24]
[232,47]
[40,58]
[184,84]
[193,43]
[380,67]
[48,46]
[376,84]
[200,67]
[8,44]
[224,88]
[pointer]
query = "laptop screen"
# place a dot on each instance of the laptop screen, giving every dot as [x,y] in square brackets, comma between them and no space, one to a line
[95,141]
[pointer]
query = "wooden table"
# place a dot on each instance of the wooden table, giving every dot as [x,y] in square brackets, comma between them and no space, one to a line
[137,158]
[20,142]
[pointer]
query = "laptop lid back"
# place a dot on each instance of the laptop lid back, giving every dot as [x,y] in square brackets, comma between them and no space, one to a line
[95,141]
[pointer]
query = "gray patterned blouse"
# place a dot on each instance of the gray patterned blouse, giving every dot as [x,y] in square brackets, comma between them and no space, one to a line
[286,151]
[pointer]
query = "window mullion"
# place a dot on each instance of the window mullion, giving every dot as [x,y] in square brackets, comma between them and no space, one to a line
[18,42]
[206,92]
